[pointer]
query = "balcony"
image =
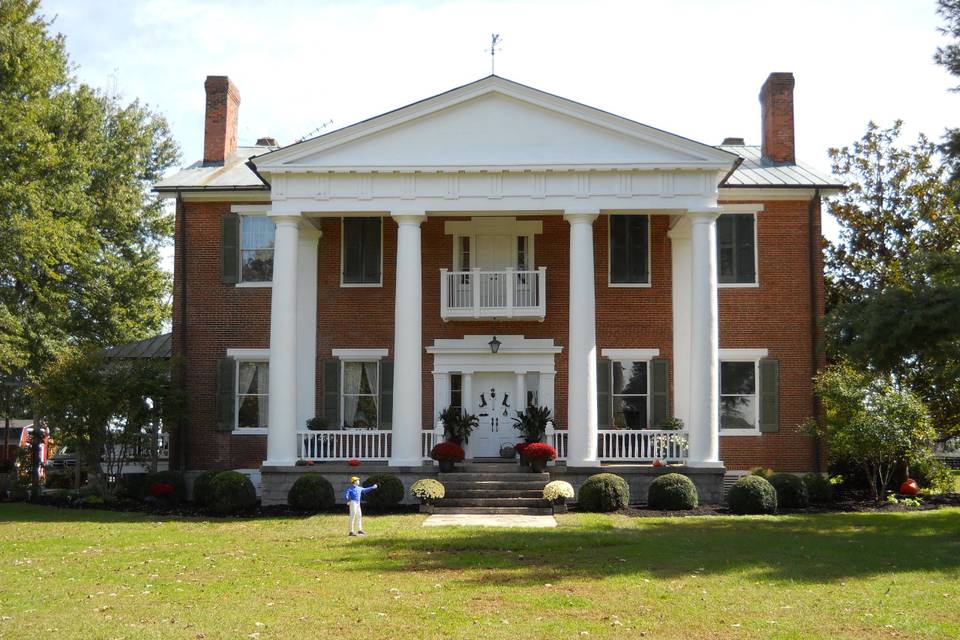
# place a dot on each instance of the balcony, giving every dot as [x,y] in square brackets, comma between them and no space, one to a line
[500,295]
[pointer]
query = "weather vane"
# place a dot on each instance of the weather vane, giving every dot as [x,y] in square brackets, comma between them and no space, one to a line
[495,39]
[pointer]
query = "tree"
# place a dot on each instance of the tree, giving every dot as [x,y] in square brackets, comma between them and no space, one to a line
[81,236]
[949,57]
[870,422]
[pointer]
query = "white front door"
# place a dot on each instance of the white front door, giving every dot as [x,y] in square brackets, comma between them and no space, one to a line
[494,405]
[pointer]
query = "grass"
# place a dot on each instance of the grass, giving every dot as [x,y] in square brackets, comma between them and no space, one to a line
[98,574]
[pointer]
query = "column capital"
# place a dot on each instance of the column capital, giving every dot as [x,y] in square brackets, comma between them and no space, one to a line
[580,216]
[703,216]
[285,219]
[409,217]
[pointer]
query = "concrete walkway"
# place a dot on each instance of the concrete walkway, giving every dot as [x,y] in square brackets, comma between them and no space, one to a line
[491,520]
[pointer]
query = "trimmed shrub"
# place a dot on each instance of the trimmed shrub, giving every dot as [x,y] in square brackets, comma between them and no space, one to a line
[752,494]
[791,491]
[201,486]
[231,493]
[132,486]
[171,478]
[558,492]
[389,492]
[819,489]
[673,492]
[763,472]
[311,492]
[427,490]
[604,492]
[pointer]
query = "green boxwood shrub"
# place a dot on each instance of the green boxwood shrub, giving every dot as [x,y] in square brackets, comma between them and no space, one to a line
[389,492]
[604,492]
[819,489]
[752,494]
[791,491]
[311,492]
[231,493]
[673,492]
[201,486]
[172,478]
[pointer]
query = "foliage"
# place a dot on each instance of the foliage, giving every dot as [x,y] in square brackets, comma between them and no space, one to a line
[317,423]
[539,451]
[933,475]
[172,478]
[427,490]
[201,486]
[673,492]
[558,491]
[671,424]
[763,472]
[81,236]
[532,423]
[447,451]
[819,489]
[604,492]
[869,422]
[752,495]
[457,425]
[389,492]
[231,493]
[791,491]
[907,502]
[311,492]
[949,57]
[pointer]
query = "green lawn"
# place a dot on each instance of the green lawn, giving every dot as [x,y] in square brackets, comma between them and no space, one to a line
[93,574]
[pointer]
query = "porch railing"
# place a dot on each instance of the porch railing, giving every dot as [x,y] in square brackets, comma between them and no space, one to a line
[506,293]
[350,444]
[629,445]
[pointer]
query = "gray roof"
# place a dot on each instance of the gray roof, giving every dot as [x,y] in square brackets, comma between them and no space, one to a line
[233,175]
[155,347]
[754,172]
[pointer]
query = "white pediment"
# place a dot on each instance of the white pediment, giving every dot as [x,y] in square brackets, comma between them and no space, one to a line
[494,125]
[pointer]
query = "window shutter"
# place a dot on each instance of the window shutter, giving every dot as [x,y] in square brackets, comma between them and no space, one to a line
[769,395]
[603,393]
[619,250]
[230,248]
[352,250]
[660,390]
[331,393]
[371,250]
[226,393]
[746,269]
[386,395]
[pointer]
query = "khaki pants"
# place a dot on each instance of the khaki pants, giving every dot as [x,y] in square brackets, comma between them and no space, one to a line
[356,517]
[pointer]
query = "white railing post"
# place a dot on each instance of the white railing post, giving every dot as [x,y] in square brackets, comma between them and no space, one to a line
[475,290]
[542,291]
[444,300]
[510,284]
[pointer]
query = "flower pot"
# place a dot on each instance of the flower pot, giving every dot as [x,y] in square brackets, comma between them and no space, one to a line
[523,461]
[538,465]
[446,466]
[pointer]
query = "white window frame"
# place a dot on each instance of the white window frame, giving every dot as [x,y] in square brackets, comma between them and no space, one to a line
[743,355]
[247,355]
[343,246]
[752,209]
[629,285]
[359,355]
[631,355]
[244,213]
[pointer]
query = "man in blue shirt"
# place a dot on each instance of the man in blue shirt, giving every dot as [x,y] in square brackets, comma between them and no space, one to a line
[353,495]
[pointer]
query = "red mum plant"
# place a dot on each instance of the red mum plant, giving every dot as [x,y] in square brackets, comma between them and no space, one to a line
[539,451]
[520,447]
[353,462]
[161,490]
[447,451]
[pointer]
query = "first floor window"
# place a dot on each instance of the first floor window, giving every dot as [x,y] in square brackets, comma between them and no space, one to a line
[253,386]
[738,395]
[361,251]
[256,248]
[629,392]
[629,249]
[456,390]
[736,255]
[533,389]
[359,396]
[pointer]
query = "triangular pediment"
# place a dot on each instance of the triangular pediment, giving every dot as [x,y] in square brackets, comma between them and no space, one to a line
[494,124]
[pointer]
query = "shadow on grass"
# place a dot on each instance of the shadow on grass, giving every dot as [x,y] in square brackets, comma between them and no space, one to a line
[812,549]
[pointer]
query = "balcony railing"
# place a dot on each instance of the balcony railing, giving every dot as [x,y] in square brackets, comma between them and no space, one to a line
[481,293]
[627,445]
[355,444]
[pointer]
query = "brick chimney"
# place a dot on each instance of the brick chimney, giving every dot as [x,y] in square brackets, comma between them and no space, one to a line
[776,107]
[220,123]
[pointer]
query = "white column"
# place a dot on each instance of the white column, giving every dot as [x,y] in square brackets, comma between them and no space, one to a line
[282,418]
[546,391]
[582,354]
[520,402]
[704,342]
[407,359]
[679,235]
[441,394]
[307,323]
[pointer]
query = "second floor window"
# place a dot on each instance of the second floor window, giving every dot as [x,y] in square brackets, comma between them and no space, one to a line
[736,250]
[256,249]
[362,251]
[629,250]
[629,394]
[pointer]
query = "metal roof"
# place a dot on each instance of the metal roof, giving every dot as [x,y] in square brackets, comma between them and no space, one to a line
[233,175]
[754,172]
[155,347]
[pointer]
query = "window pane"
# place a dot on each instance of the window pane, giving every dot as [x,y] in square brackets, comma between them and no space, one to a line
[360,377]
[464,253]
[360,412]
[257,265]
[725,250]
[638,249]
[628,249]
[630,413]
[737,378]
[256,248]
[456,390]
[252,412]
[619,250]
[533,389]
[629,377]
[257,232]
[353,250]
[371,250]
[745,249]
[738,412]
[253,378]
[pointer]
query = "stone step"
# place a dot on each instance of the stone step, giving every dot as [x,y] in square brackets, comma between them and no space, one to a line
[493,493]
[504,486]
[520,511]
[476,476]
[489,467]
[492,502]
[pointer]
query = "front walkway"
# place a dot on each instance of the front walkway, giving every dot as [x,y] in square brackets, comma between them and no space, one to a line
[489,520]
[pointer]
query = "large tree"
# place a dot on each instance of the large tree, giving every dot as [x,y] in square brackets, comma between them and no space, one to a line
[81,236]
[949,56]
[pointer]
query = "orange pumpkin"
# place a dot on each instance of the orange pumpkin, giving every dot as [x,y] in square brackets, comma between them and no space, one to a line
[909,487]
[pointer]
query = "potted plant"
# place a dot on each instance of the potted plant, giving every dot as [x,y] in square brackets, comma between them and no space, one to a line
[532,423]
[457,425]
[538,453]
[557,493]
[519,448]
[317,423]
[428,491]
[447,454]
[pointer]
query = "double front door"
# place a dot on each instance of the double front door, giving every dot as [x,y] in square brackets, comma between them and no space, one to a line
[494,404]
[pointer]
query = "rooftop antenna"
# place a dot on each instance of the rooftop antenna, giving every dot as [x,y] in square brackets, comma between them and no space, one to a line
[495,40]
[315,131]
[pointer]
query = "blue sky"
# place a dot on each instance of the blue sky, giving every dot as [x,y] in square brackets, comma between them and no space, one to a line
[690,67]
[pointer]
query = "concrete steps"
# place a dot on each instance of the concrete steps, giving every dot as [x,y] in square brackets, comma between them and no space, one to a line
[493,488]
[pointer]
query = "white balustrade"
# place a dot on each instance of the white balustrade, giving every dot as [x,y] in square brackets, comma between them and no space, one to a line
[348,444]
[625,445]
[481,293]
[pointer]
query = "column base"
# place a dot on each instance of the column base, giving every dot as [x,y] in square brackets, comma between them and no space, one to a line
[406,462]
[291,462]
[585,464]
[704,464]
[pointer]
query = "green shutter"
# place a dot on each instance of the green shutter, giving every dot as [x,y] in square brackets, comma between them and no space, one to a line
[769,395]
[660,391]
[230,248]
[386,394]
[226,393]
[603,393]
[331,393]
